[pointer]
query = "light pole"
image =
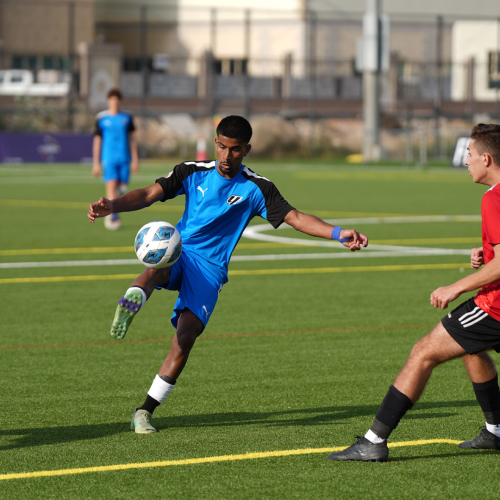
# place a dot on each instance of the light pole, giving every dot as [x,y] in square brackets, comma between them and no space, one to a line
[371,70]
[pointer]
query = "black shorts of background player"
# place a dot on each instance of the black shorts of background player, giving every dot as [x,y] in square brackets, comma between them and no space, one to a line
[467,332]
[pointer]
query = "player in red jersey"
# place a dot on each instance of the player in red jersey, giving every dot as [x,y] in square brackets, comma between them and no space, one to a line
[467,332]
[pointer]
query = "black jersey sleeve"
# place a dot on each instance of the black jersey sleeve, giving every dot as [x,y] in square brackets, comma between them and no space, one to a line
[131,125]
[97,129]
[277,207]
[172,183]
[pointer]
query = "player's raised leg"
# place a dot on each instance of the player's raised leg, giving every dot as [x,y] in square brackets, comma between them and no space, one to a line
[483,375]
[135,297]
[189,327]
[429,352]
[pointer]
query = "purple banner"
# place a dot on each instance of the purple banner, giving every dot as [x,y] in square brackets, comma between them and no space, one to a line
[50,148]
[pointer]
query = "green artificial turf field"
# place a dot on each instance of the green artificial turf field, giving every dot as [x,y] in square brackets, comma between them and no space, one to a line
[302,346]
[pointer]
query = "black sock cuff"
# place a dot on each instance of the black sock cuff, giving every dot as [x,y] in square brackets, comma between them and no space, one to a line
[488,397]
[484,386]
[393,408]
[168,380]
[380,429]
[407,402]
[150,404]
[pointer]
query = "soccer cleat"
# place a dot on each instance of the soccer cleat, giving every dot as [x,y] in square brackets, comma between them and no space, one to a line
[363,451]
[112,224]
[128,307]
[485,441]
[141,422]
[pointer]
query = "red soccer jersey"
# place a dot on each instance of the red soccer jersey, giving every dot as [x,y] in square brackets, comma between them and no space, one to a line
[488,298]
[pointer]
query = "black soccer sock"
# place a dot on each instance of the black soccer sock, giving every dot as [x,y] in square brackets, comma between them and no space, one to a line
[488,397]
[150,404]
[391,411]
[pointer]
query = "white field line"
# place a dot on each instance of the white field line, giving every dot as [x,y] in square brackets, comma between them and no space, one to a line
[246,258]
[257,232]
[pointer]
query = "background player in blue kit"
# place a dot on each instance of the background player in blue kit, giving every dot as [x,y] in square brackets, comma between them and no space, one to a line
[115,149]
[221,198]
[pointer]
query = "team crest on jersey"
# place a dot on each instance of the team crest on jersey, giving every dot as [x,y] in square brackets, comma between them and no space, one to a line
[233,199]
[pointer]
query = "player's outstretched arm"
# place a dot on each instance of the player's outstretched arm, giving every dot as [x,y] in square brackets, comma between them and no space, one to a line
[309,224]
[133,200]
[490,273]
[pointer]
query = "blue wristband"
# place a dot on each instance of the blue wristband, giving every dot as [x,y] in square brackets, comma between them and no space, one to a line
[336,235]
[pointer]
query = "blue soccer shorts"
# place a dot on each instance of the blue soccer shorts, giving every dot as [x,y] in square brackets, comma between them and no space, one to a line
[115,172]
[198,289]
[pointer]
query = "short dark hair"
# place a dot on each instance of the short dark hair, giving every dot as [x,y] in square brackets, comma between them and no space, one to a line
[487,140]
[235,127]
[115,92]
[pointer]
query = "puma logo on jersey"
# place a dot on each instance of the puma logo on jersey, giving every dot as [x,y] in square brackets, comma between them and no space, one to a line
[233,199]
[206,311]
[202,191]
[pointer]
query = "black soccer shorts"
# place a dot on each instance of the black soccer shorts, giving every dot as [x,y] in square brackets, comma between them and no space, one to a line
[472,328]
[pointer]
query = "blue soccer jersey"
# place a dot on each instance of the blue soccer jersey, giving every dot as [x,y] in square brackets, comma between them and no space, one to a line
[114,130]
[218,209]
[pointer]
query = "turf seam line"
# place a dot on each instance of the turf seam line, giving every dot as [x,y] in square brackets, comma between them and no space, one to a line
[222,335]
[204,460]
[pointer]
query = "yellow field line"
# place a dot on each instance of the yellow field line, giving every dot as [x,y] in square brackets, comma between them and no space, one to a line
[358,269]
[59,251]
[80,205]
[58,279]
[381,176]
[243,272]
[206,460]
[84,250]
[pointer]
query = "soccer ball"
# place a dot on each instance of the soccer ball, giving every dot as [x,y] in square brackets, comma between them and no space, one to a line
[158,244]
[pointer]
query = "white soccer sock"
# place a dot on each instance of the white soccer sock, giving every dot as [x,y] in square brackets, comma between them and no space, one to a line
[143,293]
[494,429]
[373,438]
[160,389]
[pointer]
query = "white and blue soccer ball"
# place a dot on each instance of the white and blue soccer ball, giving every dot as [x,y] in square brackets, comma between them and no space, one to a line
[158,244]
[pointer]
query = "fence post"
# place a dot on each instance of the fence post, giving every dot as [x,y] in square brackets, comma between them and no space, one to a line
[245,69]
[469,84]
[438,83]
[71,52]
[144,69]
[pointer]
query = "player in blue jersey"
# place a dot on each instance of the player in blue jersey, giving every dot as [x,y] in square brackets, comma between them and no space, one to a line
[221,198]
[115,149]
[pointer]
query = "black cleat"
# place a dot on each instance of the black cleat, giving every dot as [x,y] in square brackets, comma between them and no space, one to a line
[485,441]
[363,451]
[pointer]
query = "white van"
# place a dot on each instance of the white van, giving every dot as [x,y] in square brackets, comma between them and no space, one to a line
[20,82]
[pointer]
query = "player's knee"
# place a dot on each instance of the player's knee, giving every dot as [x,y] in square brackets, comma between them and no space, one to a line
[157,277]
[423,354]
[186,339]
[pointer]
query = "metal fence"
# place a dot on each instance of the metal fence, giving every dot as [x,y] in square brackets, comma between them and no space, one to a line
[205,61]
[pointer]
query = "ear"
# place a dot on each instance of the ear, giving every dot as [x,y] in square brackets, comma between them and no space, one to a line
[216,140]
[487,159]
[248,147]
